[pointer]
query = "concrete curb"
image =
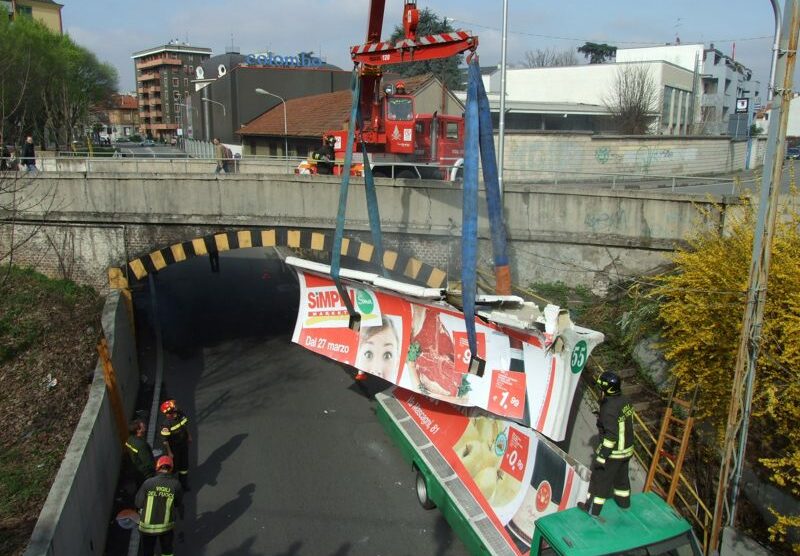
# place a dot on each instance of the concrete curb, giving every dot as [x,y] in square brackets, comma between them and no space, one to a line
[74,518]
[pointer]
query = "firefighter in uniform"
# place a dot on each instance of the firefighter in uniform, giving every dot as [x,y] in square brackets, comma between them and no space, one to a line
[613,454]
[324,156]
[158,499]
[140,462]
[176,437]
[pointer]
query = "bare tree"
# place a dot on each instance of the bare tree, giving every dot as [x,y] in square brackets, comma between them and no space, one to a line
[633,99]
[548,58]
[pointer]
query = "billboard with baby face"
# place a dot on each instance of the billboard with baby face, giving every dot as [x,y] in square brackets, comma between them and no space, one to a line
[530,376]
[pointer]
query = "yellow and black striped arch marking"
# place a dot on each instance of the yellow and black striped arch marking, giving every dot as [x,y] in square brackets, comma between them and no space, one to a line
[398,263]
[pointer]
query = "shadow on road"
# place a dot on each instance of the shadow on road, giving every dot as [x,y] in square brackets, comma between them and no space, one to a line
[205,528]
[208,471]
[244,549]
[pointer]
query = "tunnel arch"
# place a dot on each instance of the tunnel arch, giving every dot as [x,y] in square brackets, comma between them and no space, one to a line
[138,268]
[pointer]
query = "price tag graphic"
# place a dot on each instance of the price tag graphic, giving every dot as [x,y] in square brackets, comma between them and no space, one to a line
[462,353]
[507,394]
[516,456]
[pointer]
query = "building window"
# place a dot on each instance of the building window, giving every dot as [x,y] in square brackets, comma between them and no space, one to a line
[166,108]
[176,81]
[177,108]
[186,82]
[191,69]
[176,95]
[27,11]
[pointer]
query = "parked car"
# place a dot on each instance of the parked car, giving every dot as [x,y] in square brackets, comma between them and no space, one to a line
[793,153]
[148,143]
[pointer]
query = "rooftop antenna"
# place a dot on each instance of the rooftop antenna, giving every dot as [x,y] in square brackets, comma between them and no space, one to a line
[677,26]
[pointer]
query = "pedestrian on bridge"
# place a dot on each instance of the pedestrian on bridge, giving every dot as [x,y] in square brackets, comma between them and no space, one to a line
[28,157]
[158,499]
[176,437]
[613,454]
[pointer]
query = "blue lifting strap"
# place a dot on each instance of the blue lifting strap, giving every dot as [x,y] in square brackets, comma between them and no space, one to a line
[371,198]
[489,165]
[469,214]
[479,141]
[372,206]
[336,256]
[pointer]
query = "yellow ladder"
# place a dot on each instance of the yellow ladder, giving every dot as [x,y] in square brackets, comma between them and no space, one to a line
[671,446]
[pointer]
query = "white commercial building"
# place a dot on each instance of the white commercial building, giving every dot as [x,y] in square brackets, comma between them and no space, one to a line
[697,89]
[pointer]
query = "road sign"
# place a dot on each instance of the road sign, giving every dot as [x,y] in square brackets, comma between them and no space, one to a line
[742,105]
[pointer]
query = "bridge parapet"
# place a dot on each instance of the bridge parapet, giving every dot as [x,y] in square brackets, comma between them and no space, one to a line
[578,235]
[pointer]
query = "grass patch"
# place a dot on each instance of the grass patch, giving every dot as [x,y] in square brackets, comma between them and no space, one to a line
[48,335]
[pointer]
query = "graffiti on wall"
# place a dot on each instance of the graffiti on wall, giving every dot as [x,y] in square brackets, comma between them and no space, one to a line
[600,222]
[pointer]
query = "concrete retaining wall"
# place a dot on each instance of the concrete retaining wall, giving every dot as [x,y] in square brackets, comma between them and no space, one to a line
[74,519]
[566,158]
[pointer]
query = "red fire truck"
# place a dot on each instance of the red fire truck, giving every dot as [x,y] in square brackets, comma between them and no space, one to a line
[400,142]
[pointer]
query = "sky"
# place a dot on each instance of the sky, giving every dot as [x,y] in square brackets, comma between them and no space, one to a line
[114,29]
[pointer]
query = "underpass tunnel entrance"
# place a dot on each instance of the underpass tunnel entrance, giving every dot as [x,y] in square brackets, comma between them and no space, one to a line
[287,456]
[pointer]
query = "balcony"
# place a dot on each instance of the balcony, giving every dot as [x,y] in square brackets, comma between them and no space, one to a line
[151,90]
[148,77]
[155,101]
[160,61]
[162,126]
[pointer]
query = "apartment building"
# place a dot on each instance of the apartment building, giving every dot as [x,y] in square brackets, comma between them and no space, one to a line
[163,81]
[721,81]
[46,11]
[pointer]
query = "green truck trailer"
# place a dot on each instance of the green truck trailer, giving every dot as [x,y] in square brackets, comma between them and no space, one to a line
[543,520]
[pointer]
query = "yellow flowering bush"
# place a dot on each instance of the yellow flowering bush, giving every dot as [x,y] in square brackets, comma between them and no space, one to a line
[701,305]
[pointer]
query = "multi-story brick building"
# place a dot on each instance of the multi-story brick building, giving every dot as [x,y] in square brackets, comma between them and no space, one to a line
[163,75]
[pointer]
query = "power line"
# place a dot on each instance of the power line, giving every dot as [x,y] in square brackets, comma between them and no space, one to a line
[577,39]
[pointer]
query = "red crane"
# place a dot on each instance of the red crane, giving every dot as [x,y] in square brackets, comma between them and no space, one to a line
[401,141]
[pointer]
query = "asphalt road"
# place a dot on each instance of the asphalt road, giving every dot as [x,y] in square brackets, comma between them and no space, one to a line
[288,458]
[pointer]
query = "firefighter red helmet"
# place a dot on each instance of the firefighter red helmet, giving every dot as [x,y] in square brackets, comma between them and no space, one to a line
[164,461]
[169,406]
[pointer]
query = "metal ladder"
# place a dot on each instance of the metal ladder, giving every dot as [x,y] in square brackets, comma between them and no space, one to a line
[671,446]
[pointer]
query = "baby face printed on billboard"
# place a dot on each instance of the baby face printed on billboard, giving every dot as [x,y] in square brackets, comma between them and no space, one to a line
[379,349]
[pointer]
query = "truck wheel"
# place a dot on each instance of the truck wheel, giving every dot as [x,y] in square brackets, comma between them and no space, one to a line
[407,175]
[422,492]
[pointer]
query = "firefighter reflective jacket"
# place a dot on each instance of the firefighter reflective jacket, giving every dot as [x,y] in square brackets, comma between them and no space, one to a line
[615,424]
[158,499]
[140,456]
[176,431]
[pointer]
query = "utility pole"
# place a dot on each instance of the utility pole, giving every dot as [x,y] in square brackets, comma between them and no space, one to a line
[749,342]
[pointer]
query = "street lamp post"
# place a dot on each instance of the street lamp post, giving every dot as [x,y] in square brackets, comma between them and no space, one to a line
[207,118]
[261,91]
[185,122]
[215,102]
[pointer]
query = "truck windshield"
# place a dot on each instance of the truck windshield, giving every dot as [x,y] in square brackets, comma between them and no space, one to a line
[400,109]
